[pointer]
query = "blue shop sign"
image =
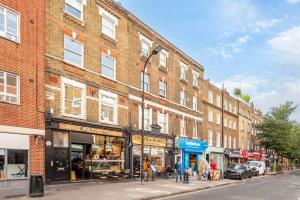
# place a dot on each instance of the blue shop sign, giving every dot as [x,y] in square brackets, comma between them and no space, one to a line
[190,145]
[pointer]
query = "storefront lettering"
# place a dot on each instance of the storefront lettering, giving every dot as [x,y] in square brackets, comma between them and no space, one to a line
[85,129]
[190,143]
[151,141]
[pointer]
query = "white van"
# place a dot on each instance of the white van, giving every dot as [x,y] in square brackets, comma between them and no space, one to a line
[258,167]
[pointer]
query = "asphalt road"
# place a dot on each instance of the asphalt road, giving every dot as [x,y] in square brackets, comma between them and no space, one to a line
[279,187]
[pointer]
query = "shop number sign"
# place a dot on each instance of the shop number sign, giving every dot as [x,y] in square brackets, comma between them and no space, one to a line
[151,141]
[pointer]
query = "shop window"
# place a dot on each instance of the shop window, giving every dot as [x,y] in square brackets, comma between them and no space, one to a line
[108,107]
[9,24]
[13,163]
[60,139]
[163,122]
[73,52]
[108,66]
[108,153]
[73,98]
[9,87]
[74,8]
[146,82]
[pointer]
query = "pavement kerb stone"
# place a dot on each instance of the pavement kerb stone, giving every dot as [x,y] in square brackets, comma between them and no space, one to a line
[168,194]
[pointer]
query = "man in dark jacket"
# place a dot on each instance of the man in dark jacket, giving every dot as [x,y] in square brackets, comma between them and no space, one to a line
[178,170]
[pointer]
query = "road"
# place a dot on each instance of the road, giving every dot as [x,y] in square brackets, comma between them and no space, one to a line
[279,187]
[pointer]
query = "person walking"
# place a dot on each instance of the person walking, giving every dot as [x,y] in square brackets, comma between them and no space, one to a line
[178,170]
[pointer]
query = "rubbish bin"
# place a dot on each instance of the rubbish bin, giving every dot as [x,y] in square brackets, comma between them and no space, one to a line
[36,187]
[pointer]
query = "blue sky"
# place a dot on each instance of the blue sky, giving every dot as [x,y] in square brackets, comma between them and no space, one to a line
[254,45]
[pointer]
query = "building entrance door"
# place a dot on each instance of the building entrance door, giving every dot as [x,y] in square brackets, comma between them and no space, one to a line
[79,156]
[61,164]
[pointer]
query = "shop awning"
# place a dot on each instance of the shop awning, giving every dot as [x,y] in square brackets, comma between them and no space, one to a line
[233,153]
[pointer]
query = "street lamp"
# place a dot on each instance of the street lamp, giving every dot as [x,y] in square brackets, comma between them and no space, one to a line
[155,51]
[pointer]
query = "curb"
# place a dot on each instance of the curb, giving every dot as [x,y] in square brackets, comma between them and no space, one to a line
[168,194]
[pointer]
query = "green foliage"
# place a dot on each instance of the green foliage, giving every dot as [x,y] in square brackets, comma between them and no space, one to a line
[279,133]
[238,92]
[246,98]
[276,167]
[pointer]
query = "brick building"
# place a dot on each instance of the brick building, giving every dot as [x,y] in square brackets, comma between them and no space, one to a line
[220,125]
[95,52]
[21,88]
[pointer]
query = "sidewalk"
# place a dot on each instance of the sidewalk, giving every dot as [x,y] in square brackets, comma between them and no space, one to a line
[129,190]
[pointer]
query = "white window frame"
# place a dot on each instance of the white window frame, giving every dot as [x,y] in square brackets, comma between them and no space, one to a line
[165,116]
[234,125]
[225,122]
[140,118]
[218,118]
[182,125]
[225,105]
[70,4]
[115,106]
[234,143]
[163,54]
[196,76]
[229,124]
[81,65]
[210,116]
[234,109]
[225,141]
[183,71]
[5,32]
[230,107]
[5,88]
[143,83]
[218,101]
[109,17]
[65,81]
[183,97]
[115,66]
[210,97]
[210,138]
[195,103]
[229,141]
[195,129]
[218,139]
[146,41]
[159,89]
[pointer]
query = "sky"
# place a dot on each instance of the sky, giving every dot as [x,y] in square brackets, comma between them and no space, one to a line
[253,45]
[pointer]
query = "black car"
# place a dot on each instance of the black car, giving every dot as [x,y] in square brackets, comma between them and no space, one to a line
[238,171]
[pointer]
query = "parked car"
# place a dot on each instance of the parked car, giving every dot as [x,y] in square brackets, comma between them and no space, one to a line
[258,167]
[238,171]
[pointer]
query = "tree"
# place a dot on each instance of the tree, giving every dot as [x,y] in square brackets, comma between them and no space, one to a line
[279,133]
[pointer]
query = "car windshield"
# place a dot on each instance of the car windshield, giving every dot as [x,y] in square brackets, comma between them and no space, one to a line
[236,166]
[253,164]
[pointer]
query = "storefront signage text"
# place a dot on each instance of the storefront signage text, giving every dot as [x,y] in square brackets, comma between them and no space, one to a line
[85,129]
[150,141]
[192,145]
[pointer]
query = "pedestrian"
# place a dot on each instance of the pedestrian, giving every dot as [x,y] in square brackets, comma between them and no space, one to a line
[178,170]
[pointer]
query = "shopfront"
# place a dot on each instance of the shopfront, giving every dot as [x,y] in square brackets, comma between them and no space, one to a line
[232,156]
[191,152]
[157,151]
[216,154]
[75,152]
[14,152]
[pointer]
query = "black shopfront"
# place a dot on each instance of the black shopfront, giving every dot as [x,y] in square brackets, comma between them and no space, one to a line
[76,150]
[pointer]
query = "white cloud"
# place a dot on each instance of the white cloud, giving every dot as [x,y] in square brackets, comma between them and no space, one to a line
[266,93]
[261,25]
[293,1]
[227,50]
[287,45]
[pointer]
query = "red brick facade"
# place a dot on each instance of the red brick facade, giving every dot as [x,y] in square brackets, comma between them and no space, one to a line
[25,58]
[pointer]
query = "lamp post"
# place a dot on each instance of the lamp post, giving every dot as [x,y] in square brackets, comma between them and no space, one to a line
[155,51]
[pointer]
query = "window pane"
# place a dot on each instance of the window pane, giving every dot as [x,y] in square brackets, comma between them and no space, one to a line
[73,11]
[74,58]
[108,26]
[16,156]
[107,66]
[60,139]
[1,19]
[73,46]
[11,80]
[11,22]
